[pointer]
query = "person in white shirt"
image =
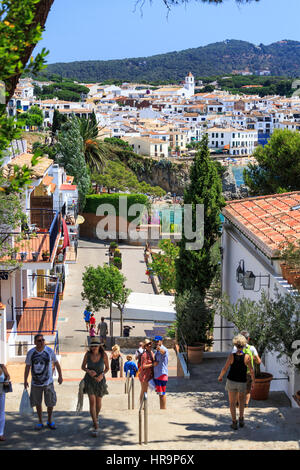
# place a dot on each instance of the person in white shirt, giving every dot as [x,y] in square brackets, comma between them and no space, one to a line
[40,361]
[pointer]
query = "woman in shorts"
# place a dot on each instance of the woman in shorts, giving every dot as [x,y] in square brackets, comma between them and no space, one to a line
[236,384]
[146,371]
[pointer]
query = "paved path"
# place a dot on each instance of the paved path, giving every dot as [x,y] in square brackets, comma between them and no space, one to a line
[71,325]
[197,416]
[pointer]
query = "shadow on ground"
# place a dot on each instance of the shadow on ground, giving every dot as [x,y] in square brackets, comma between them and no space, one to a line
[73,431]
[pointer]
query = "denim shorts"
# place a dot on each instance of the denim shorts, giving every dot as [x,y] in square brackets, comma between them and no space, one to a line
[36,395]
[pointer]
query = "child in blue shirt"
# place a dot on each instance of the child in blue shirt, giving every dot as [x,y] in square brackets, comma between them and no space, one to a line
[130,367]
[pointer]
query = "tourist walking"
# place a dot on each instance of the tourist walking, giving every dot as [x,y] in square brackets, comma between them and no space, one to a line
[252,351]
[130,367]
[103,330]
[95,366]
[161,371]
[138,355]
[92,320]
[4,378]
[40,361]
[92,331]
[87,316]
[115,361]
[146,370]
[236,383]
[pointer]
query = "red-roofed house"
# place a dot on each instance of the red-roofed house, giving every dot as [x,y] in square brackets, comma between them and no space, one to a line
[253,229]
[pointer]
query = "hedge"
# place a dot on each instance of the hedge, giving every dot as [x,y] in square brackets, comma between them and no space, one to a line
[93,201]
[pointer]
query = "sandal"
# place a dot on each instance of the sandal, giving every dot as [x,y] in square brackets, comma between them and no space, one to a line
[234,425]
[241,422]
[38,426]
[51,425]
[94,432]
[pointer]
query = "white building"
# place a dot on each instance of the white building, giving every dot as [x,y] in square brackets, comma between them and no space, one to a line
[239,142]
[252,231]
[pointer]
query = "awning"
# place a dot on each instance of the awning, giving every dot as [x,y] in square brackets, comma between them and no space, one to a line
[147,307]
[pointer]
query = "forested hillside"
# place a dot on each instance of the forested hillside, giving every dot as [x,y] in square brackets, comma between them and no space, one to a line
[281,58]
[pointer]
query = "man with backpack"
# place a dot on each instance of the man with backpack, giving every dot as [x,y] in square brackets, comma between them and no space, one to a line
[252,351]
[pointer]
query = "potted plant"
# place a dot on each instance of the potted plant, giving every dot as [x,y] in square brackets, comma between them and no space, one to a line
[255,317]
[118,262]
[290,255]
[117,253]
[23,255]
[46,255]
[194,320]
[35,255]
[113,246]
[285,311]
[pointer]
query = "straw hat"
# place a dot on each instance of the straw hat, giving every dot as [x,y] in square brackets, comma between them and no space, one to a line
[147,341]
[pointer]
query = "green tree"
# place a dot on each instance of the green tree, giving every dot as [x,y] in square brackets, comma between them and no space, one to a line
[104,286]
[163,265]
[205,188]
[70,148]
[194,318]
[256,317]
[33,118]
[58,120]
[278,165]
[96,151]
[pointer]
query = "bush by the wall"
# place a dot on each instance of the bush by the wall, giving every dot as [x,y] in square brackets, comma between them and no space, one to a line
[93,201]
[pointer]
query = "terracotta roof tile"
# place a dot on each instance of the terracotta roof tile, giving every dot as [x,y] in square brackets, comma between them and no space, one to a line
[267,220]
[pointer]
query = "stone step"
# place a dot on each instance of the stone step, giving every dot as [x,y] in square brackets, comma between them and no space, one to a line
[208,428]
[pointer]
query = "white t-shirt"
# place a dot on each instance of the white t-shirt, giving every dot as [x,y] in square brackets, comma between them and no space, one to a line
[252,349]
[41,366]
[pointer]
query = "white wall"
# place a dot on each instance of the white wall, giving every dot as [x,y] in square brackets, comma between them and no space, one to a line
[235,248]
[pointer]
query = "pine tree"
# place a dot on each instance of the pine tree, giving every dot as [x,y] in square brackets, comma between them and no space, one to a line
[70,148]
[195,269]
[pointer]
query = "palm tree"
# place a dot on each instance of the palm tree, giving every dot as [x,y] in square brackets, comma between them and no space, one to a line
[96,151]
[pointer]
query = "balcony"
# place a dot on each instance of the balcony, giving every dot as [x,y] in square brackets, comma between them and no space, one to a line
[38,314]
[37,243]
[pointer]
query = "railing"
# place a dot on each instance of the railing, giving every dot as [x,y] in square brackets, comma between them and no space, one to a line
[183,348]
[54,230]
[37,315]
[144,403]
[129,390]
[55,305]
[41,218]
[54,344]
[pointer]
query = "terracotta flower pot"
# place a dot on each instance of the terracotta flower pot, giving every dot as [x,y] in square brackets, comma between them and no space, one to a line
[283,267]
[195,354]
[290,275]
[296,282]
[261,386]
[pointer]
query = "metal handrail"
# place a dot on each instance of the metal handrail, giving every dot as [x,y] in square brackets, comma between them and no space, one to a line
[183,348]
[126,381]
[145,403]
[131,389]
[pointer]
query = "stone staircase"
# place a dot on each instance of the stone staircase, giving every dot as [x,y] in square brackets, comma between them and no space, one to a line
[197,416]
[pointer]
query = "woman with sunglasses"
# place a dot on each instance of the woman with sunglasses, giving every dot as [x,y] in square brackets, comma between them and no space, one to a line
[95,365]
[146,370]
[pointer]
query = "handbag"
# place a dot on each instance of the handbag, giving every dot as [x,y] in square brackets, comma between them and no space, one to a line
[7,387]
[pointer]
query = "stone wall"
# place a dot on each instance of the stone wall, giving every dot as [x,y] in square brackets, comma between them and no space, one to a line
[132,342]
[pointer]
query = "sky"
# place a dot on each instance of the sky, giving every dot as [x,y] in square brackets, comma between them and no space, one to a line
[117,29]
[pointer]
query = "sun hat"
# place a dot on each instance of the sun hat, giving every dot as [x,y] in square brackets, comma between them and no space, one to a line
[95,341]
[147,341]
